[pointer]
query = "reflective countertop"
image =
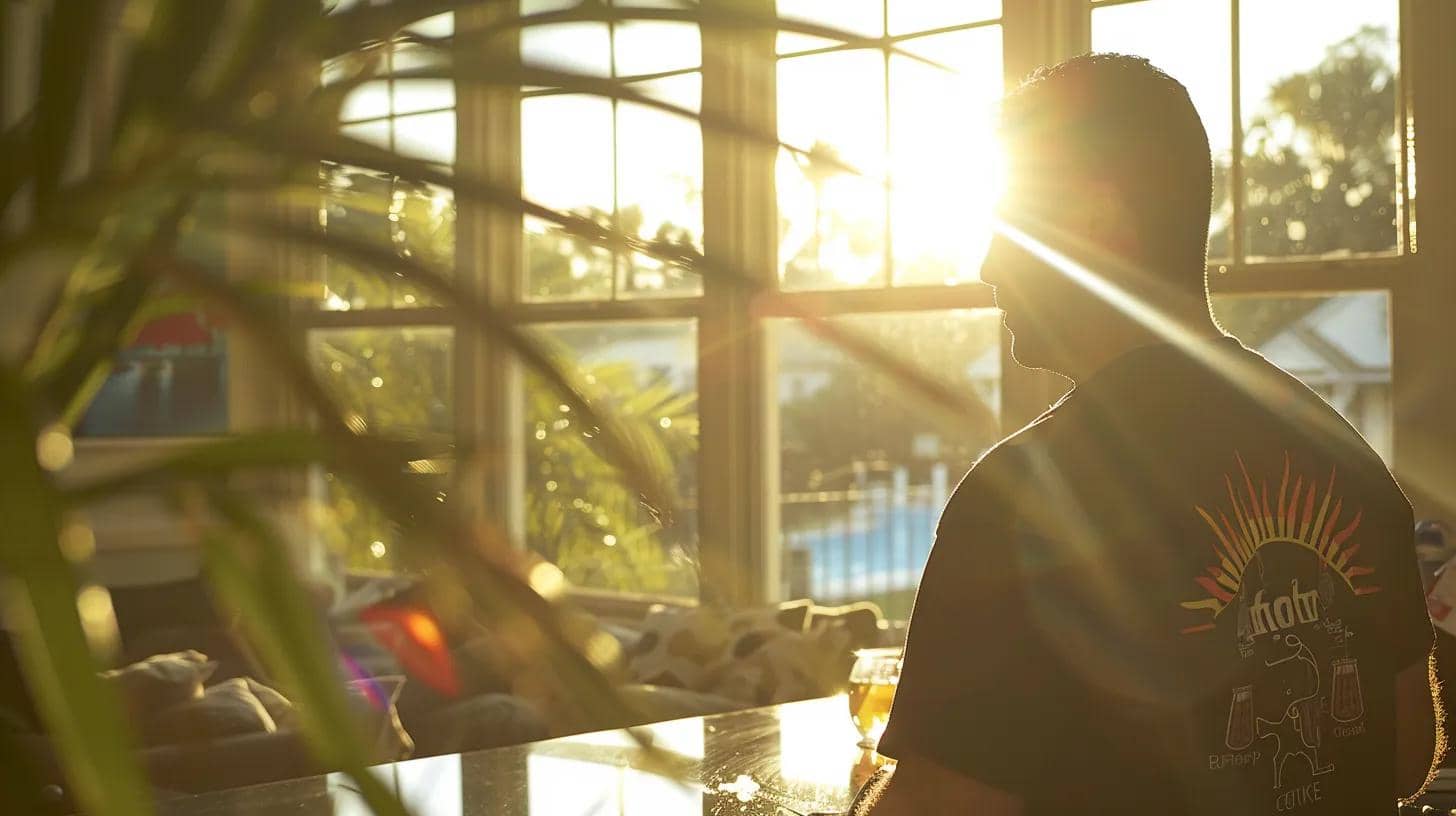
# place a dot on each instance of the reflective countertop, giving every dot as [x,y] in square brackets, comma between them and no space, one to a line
[797,758]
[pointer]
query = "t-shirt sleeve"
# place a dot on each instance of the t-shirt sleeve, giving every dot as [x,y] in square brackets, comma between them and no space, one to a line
[979,691]
[1411,634]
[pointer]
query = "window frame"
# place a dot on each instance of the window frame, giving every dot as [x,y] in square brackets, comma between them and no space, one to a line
[738,455]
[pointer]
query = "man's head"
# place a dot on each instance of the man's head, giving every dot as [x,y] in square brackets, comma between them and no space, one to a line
[1109,169]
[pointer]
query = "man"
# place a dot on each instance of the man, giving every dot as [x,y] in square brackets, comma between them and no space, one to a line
[1188,587]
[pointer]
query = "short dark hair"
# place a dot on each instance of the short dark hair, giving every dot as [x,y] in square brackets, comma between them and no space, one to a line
[1119,118]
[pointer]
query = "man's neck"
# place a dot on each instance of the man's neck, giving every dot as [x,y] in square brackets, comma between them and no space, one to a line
[1128,337]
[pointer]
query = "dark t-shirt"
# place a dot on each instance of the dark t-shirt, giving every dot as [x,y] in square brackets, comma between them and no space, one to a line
[1187,588]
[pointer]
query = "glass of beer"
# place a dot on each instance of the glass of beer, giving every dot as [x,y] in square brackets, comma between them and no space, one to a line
[872,684]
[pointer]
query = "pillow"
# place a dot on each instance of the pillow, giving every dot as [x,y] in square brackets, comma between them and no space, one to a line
[482,721]
[373,699]
[676,646]
[160,681]
[280,708]
[769,667]
[228,709]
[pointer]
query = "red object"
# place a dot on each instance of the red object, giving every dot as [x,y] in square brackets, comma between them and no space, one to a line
[413,636]
[181,329]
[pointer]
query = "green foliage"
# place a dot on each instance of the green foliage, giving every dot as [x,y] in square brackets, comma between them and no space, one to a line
[1320,157]
[1320,173]
[580,514]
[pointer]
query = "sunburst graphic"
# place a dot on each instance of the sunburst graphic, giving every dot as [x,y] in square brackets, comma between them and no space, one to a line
[1300,514]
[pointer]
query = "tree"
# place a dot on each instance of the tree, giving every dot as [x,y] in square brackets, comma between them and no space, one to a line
[1319,172]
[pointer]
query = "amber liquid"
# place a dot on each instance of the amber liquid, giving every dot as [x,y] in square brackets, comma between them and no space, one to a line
[869,707]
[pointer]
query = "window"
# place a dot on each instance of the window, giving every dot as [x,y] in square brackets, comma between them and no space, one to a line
[865,470]
[1314,116]
[866,204]
[1310,94]
[882,194]
[580,514]
[387,356]
[628,166]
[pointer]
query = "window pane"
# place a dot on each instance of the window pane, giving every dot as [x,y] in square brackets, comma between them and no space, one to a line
[579,513]
[1189,39]
[413,221]
[833,221]
[943,155]
[863,18]
[367,101]
[397,381]
[865,471]
[907,16]
[566,164]
[660,187]
[1338,345]
[427,136]
[655,47]
[1318,94]
[415,95]
[581,48]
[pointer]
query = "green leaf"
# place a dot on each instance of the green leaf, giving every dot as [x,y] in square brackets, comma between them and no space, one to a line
[248,564]
[82,714]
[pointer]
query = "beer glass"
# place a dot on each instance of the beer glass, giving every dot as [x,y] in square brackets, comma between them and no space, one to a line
[872,684]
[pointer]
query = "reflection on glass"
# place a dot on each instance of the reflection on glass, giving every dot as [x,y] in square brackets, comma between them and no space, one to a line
[833,220]
[817,742]
[1338,345]
[1318,88]
[1190,40]
[865,467]
[943,155]
[580,514]
[573,787]
[908,16]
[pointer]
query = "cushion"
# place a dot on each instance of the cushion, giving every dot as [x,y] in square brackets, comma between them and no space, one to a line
[228,709]
[374,700]
[160,681]
[768,667]
[483,721]
[280,708]
[677,646]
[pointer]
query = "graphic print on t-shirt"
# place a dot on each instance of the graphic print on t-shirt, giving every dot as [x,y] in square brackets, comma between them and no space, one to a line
[1280,591]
